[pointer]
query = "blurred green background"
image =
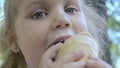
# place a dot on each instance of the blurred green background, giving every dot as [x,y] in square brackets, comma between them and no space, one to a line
[113,10]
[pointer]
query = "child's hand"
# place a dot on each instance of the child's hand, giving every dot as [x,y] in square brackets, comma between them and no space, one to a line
[94,62]
[68,61]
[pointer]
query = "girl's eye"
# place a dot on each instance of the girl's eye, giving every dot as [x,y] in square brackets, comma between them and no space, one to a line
[39,15]
[71,10]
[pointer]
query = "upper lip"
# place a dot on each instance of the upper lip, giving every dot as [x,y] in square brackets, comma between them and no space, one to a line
[61,39]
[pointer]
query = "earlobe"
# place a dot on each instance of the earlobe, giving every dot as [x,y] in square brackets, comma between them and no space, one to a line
[12,41]
[9,36]
[15,48]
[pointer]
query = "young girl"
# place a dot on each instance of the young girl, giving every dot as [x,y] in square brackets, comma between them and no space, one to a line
[31,28]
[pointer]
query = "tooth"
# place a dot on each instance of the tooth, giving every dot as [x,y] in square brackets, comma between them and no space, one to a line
[82,41]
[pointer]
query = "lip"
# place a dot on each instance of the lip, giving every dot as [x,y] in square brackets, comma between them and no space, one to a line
[61,38]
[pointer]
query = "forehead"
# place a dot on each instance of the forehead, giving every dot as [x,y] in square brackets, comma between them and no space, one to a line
[49,1]
[28,3]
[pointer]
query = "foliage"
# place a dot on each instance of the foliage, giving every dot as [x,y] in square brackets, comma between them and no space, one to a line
[114,29]
[1,9]
[113,24]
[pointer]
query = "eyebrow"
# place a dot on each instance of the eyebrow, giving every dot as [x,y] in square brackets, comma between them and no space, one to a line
[40,3]
[33,3]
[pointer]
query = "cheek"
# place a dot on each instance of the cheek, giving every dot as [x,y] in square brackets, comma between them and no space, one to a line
[31,38]
[80,24]
[28,35]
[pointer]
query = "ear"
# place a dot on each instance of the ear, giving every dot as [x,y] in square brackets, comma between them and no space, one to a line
[15,48]
[13,41]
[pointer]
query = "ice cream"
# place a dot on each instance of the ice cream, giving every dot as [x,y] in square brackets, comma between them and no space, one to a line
[81,41]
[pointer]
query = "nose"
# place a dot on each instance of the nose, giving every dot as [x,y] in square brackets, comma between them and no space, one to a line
[61,22]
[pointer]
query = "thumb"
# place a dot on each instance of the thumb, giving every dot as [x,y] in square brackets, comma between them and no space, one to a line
[52,51]
[49,55]
[47,58]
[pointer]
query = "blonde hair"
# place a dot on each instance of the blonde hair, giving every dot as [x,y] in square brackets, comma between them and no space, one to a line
[16,60]
[10,59]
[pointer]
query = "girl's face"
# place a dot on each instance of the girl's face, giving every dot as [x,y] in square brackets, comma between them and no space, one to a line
[40,23]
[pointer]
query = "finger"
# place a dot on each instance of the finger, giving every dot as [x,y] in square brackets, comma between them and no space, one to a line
[94,58]
[71,57]
[78,64]
[96,64]
[92,64]
[46,59]
[51,52]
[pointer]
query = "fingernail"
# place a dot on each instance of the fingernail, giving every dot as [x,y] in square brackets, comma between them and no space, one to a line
[89,62]
[59,44]
[91,57]
[82,63]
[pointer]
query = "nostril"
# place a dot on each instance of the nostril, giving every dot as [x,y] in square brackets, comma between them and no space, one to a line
[66,24]
[58,26]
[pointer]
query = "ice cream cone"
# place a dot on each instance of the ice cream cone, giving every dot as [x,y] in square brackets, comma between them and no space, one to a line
[82,41]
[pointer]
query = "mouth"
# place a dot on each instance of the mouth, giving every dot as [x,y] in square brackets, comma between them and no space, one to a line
[61,39]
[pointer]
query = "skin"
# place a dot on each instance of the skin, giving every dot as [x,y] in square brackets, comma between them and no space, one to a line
[69,60]
[94,62]
[40,22]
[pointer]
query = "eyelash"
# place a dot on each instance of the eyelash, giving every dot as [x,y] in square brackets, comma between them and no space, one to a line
[71,10]
[39,14]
